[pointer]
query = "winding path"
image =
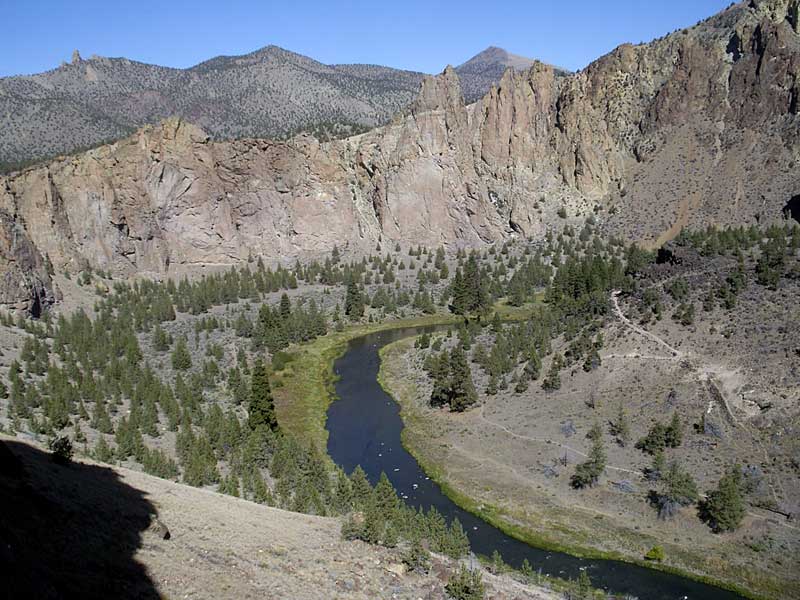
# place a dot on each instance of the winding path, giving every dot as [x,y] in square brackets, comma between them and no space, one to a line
[704,373]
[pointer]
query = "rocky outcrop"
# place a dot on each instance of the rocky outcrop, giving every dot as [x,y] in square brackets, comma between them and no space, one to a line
[25,283]
[695,128]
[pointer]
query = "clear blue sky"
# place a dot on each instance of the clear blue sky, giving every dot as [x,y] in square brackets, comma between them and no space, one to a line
[422,35]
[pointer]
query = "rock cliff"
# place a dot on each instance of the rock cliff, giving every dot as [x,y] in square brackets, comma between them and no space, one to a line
[698,127]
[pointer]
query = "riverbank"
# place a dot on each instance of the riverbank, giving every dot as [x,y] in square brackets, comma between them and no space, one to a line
[303,388]
[509,500]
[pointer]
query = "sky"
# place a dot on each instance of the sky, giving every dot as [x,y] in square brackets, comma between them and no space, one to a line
[420,35]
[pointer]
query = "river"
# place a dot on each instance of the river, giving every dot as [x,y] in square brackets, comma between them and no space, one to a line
[364,428]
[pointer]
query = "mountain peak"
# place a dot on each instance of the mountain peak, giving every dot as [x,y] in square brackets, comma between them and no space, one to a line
[494,55]
[486,68]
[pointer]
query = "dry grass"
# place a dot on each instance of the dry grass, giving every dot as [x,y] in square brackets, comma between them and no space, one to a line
[96,541]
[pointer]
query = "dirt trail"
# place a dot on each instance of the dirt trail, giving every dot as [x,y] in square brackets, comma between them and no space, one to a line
[674,352]
[550,442]
[720,381]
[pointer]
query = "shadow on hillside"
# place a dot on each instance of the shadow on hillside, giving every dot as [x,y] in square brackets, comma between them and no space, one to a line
[68,531]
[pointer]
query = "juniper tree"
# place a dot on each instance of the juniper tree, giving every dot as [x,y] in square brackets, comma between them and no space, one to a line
[588,472]
[673,435]
[553,379]
[678,488]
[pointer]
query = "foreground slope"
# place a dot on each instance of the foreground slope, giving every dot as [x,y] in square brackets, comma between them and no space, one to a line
[98,531]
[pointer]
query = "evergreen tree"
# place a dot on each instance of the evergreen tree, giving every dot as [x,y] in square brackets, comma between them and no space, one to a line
[673,435]
[181,359]
[724,508]
[459,293]
[655,440]
[361,488]
[534,365]
[261,409]
[102,451]
[285,308]
[161,339]
[462,389]
[354,301]
[465,584]
[588,472]
[553,379]
[417,558]
[678,488]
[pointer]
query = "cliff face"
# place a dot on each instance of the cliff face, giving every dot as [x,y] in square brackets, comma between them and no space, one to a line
[698,127]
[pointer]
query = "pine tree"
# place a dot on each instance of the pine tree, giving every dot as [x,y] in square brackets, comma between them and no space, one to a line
[588,472]
[534,365]
[285,309]
[102,451]
[678,488]
[585,591]
[462,389]
[181,359]
[526,569]
[457,544]
[417,558]
[354,301]
[385,497]
[673,435]
[465,584]
[440,373]
[261,409]
[362,490]
[459,293]
[724,508]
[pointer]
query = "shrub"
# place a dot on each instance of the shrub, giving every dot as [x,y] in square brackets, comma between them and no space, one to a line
[656,553]
[465,584]
[417,558]
[61,447]
[280,360]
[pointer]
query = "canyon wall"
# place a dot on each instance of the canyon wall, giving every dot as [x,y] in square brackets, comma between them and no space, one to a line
[699,127]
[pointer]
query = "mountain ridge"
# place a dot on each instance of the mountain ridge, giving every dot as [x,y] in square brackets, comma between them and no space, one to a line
[270,92]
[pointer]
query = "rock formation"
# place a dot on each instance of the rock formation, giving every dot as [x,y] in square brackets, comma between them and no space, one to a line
[699,127]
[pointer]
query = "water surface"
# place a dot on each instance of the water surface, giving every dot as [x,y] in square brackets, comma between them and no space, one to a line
[364,428]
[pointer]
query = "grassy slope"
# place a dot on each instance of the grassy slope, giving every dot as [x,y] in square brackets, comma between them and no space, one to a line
[538,529]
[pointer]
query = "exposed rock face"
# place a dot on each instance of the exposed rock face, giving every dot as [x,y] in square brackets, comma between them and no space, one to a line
[696,128]
[25,284]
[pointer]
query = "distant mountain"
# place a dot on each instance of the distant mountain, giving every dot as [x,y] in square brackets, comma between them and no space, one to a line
[486,68]
[268,93]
